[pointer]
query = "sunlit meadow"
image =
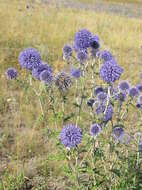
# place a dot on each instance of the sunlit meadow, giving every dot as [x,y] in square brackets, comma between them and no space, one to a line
[33,151]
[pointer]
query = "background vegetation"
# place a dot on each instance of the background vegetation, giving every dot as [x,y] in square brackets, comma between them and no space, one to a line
[26,149]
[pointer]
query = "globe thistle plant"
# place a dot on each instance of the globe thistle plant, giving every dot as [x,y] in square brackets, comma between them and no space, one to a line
[11,73]
[133,92]
[46,76]
[76,73]
[70,136]
[82,39]
[97,90]
[105,55]
[29,58]
[95,130]
[94,42]
[81,56]
[63,81]
[124,86]
[67,51]
[117,132]
[110,71]
[37,71]
[108,113]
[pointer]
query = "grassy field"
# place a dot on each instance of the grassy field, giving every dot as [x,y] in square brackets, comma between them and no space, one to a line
[111,1]
[24,145]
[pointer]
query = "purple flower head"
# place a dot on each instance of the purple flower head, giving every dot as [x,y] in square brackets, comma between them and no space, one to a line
[117,132]
[108,113]
[29,58]
[46,76]
[124,86]
[70,136]
[76,73]
[133,92]
[81,56]
[102,96]
[140,145]
[67,51]
[139,87]
[11,73]
[105,55]
[95,129]
[98,90]
[110,71]
[63,81]
[90,102]
[36,72]
[94,42]
[82,39]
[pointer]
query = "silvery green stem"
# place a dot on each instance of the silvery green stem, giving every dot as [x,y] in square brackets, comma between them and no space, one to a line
[119,111]
[63,108]
[92,77]
[127,109]
[82,94]
[108,99]
[38,95]
[138,157]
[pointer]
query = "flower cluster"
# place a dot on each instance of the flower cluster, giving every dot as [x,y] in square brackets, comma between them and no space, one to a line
[95,98]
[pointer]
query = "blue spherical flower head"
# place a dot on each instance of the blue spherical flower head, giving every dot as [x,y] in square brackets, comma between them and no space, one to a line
[46,76]
[140,145]
[94,42]
[81,56]
[63,81]
[124,86]
[90,102]
[108,113]
[36,72]
[67,51]
[95,130]
[98,90]
[110,71]
[70,136]
[76,73]
[117,132]
[139,87]
[82,39]
[29,58]
[11,73]
[133,92]
[105,55]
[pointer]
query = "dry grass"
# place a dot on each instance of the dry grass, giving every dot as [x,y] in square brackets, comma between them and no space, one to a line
[113,1]
[47,29]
